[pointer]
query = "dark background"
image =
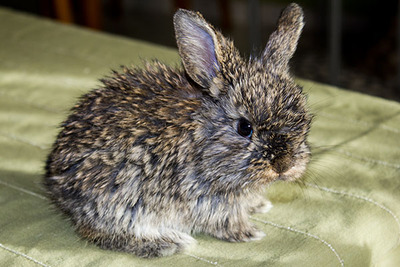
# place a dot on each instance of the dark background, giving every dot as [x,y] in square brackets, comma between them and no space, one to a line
[350,43]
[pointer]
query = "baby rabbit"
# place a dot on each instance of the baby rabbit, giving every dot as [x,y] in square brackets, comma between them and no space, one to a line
[156,154]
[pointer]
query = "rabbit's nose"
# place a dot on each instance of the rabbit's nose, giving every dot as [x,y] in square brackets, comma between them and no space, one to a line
[282,164]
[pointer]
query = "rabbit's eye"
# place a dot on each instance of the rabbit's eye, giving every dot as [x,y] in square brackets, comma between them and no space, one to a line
[244,128]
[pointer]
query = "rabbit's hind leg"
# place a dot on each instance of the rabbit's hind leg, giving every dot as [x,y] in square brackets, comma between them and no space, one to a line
[162,244]
[159,247]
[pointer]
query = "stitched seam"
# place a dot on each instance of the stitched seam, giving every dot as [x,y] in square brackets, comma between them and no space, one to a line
[291,229]
[366,199]
[201,259]
[30,104]
[364,123]
[22,190]
[369,160]
[12,250]
[21,140]
[23,255]
[43,197]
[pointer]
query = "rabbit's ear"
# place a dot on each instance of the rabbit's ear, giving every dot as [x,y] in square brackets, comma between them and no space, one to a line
[283,41]
[197,44]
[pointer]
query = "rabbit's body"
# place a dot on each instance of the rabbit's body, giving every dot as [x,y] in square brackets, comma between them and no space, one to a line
[154,155]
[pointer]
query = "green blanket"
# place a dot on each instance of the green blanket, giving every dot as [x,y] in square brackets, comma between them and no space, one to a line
[346,213]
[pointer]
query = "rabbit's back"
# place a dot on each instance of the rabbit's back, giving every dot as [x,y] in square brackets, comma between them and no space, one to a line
[113,143]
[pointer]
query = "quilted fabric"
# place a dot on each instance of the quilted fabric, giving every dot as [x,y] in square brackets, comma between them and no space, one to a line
[346,213]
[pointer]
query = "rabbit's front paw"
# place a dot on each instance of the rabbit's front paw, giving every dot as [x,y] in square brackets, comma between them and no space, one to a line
[241,234]
[263,206]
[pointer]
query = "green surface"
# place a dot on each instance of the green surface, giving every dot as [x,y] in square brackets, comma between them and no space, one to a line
[346,213]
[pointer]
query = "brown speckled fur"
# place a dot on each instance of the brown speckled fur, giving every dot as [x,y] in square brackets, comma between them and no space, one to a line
[155,155]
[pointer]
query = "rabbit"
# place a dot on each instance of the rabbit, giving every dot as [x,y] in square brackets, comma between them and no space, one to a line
[157,154]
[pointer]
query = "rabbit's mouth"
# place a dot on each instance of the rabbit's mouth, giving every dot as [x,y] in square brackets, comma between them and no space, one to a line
[269,174]
[289,168]
[293,173]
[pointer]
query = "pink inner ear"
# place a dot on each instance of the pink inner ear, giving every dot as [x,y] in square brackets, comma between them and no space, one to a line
[203,51]
[200,49]
[197,43]
[209,57]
